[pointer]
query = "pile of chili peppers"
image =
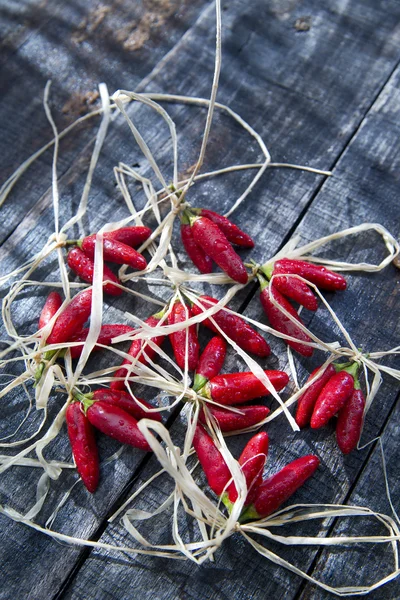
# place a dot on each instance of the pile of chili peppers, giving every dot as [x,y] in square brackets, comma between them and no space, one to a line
[115,411]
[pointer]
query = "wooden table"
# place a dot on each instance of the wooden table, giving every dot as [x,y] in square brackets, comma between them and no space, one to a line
[324,95]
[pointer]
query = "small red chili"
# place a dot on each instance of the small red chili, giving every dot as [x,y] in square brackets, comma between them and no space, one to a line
[116,423]
[275,490]
[210,362]
[233,326]
[131,236]
[195,252]
[139,350]
[349,423]
[306,402]
[236,388]
[232,421]
[179,314]
[215,244]
[232,232]
[107,333]
[72,318]
[333,397]
[114,251]
[126,402]
[211,459]
[320,276]
[252,461]
[83,266]
[281,322]
[51,306]
[83,443]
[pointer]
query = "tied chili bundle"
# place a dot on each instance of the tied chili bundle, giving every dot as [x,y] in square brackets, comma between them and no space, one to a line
[253,501]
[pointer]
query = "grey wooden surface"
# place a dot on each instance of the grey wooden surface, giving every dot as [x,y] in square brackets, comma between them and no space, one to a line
[327,97]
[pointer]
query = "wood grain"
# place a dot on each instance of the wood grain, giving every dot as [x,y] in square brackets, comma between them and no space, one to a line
[295,90]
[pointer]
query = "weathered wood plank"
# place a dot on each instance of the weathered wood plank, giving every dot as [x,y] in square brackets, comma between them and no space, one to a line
[252,578]
[292,186]
[77,46]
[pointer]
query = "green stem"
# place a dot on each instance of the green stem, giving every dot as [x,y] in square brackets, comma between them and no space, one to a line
[267,270]
[263,282]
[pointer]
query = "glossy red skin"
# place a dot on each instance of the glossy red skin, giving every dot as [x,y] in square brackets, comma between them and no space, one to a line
[134,351]
[179,314]
[281,323]
[107,333]
[230,421]
[349,423]
[296,290]
[51,306]
[131,236]
[236,328]
[83,266]
[115,252]
[83,443]
[306,402]
[117,424]
[72,318]
[252,461]
[321,276]
[127,403]
[235,388]
[232,232]
[195,252]
[275,490]
[211,460]
[215,244]
[212,358]
[332,398]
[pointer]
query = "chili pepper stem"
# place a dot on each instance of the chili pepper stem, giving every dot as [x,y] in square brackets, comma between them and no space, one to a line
[249,514]
[199,383]
[39,373]
[228,504]
[263,283]
[352,369]
[85,399]
[267,270]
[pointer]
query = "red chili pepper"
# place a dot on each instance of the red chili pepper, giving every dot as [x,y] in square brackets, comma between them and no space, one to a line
[83,444]
[280,322]
[51,306]
[72,318]
[236,388]
[320,276]
[214,466]
[126,402]
[179,314]
[232,421]
[215,244]
[235,327]
[195,252]
[296,290]
[139,350]
[83,266]
[252,461]
[210,362]
[332,398]
[306,402]
[275,490]
[232,232]
[131,236]
[107,333]
[349,423]
[114,251]
[116,423]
